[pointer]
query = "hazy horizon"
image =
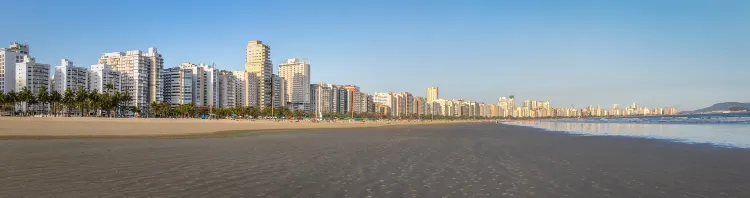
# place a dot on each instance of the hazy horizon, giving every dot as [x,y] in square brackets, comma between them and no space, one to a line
[665,53]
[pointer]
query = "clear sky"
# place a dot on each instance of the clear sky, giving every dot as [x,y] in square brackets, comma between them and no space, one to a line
[688,54]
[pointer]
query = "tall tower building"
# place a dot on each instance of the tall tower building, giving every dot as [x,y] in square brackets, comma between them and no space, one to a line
[258,61]
[432,93]
[141,74]
[296,72]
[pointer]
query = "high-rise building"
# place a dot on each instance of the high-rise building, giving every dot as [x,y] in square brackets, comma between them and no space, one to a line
[432,93]
[247,89]
[340,99]
[353,98]
[320,98]
[362,102]
[101,75]
[15,53]
[258,62]
[296,72]
[205,84]
[279,88]
[227,89]
[31,74]
[70,77]
[178,85]
[419,105]
[140,74]
[403,104]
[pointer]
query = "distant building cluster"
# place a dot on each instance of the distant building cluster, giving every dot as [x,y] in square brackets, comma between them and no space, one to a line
[542,109]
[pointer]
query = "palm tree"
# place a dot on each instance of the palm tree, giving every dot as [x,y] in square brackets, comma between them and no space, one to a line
[126,98]
[116,100]
[54,98]
[12,98]
[43,97]
[94,102]
[25,96]
[69,99]
[153,108]
[81,96]
[108,102]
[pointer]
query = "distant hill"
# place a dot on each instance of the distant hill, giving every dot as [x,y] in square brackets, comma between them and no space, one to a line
[739,109]
[724,106]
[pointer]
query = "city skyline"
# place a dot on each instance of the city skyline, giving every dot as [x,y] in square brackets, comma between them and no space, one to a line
[207,85]
[642,59]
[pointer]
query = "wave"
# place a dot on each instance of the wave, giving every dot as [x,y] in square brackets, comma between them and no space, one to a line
[730,118]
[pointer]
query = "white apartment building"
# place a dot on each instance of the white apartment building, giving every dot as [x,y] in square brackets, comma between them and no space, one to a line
[387,99]
[140,74]
[279,88]
[178,85]
[32,76]
[227,86]
[321,98]
[258,62]
[15,53]
[68,76]
[205,84]
[247,89]
[296,72]
[101,75]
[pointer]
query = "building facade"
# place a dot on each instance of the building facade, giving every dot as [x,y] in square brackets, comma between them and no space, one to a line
[140,74]
[247,89]
[101,75]
[278,93]
[178,85]
[258,62]
[432,93]
[296,72]
[227,89]
[68,76]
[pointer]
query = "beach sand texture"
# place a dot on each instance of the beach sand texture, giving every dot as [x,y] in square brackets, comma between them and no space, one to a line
[97,127]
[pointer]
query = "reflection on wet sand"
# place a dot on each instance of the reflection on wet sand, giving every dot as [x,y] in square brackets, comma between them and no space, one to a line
[731,135]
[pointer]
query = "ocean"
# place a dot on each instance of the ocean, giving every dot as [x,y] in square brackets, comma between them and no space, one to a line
[723,130]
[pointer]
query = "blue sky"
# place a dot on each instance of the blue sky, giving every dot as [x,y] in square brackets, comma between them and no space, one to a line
[688,54]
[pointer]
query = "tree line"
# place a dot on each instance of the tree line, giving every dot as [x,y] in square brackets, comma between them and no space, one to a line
[81,102]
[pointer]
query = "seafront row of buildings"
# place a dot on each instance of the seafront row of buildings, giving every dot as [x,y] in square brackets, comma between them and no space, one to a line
[145,77]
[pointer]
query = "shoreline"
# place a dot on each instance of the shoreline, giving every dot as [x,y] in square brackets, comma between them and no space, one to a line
[37,128]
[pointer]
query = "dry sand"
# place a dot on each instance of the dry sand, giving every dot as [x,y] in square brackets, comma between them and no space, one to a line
[133,127]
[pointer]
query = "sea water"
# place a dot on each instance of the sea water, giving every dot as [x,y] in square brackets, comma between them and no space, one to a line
[726,130]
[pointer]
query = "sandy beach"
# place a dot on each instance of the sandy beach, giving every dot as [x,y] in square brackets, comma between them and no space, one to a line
[456,160]
[40,127]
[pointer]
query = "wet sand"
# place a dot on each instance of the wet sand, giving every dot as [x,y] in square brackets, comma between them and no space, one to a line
[457,160]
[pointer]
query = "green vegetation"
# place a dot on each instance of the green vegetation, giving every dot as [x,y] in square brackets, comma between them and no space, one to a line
[81,102]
